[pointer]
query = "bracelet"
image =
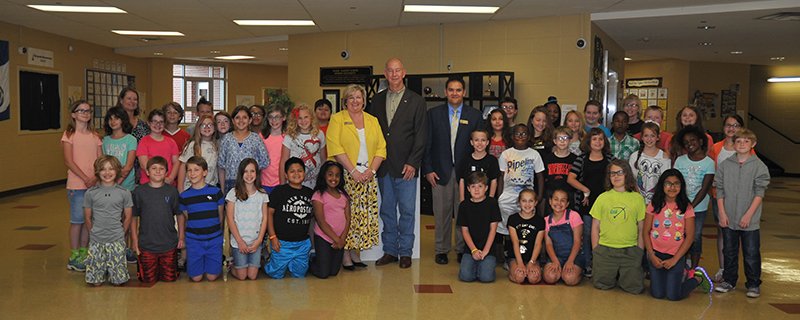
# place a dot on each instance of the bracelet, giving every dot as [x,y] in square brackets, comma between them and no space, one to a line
[373,172]
[272,237]
[474,250]
[354,170]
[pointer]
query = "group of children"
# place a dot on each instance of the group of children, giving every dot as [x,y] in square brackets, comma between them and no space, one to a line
[626,206]
[177,205]
[549,203]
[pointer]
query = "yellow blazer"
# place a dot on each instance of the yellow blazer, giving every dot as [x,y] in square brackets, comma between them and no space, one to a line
[342,137]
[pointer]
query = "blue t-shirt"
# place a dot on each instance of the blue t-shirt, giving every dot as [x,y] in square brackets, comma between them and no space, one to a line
[694,172]
[201,206]
[119,148]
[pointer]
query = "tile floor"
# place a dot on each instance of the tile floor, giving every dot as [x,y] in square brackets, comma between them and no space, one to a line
[35,284]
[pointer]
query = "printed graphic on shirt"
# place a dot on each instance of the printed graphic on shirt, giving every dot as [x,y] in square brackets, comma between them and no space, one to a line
[299,210]
[647,178]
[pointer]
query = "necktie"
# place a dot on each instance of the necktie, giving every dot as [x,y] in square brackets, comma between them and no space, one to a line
[453,133]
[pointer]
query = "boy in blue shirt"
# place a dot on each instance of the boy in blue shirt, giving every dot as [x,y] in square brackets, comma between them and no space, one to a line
[202,205]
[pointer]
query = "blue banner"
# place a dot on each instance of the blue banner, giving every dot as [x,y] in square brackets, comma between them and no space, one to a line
[5,92]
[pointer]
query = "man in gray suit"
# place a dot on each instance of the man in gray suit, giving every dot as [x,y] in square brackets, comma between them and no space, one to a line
[402,116]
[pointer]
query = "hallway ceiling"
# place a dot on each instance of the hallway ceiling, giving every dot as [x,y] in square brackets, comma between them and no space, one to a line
[647,29]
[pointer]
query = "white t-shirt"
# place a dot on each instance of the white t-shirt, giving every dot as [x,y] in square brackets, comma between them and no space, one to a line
[650,169]
[519,168]
[307,148]
[247,215]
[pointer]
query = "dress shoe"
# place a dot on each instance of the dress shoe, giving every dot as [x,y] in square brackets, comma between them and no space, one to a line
[405,262]
[360,264]
[441,258]
[349,268]
[386,259]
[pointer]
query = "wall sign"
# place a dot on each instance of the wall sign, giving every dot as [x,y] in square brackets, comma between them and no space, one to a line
[39,57]
[644,83]
[5,93]
[344,75]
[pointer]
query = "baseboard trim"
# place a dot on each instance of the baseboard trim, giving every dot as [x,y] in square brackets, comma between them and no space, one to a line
[14,192]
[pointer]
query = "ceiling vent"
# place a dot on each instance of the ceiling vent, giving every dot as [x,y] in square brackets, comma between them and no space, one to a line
[782,16]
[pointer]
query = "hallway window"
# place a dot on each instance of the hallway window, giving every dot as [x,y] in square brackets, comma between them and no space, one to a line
[190,83]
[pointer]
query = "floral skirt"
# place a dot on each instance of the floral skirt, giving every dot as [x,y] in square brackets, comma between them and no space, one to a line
[363,213]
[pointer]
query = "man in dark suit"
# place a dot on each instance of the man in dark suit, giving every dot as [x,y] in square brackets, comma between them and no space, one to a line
[401,114]
[449,129]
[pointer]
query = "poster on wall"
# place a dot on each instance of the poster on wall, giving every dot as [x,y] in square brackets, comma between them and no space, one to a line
[706,103]
[5,93]
[727,103]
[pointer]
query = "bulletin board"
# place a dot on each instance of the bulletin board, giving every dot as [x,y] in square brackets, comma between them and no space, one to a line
[103,88]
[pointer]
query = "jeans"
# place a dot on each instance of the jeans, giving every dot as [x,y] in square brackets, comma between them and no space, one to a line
[246,260]
[669,282]
[751,252]
[587,240]
[471,270]
[697,245]
[398,196]
[75,198]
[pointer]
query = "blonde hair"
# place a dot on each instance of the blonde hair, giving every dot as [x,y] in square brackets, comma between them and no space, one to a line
[291,126]
[98,166]
[71,126]
[745,133]
[582,128]
[197,137]
[352,88]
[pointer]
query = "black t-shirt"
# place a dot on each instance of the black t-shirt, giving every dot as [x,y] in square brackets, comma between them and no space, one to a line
[487,164]
[635,128]
[526,230]
[593,176]
[478,217]
[556,171]
[156,209]
[293,212]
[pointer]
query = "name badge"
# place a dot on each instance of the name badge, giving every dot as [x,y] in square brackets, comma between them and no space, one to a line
[462,121]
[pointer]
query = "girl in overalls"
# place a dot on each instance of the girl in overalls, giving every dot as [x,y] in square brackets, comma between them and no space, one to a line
[563,231]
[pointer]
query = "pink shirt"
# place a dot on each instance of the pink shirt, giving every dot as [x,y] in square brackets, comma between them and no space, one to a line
[85,147]
[150,147]
[333,210]
[574,221]
[668,230]
[269,176]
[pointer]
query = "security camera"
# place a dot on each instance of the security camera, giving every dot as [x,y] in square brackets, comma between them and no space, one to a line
[581,43]
[344,54]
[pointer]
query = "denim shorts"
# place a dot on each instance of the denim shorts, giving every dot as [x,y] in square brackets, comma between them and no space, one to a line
[246,260]
[75,198]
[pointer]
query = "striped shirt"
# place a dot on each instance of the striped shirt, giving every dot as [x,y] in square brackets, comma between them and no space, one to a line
[202,209]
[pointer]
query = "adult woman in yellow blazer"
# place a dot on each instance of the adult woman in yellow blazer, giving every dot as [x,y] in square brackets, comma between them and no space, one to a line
[355,140]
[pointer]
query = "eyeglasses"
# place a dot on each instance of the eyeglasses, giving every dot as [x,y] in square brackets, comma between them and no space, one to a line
[733,126]
[507,107]
[258,115]
[617,173]
[276,117]
[672,184]
[157,122]
[84,111]
[207,126]
[631,105]
[521,134]
[562,138]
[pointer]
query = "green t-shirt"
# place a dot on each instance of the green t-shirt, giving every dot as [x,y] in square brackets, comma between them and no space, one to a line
[119,148]
[619,214]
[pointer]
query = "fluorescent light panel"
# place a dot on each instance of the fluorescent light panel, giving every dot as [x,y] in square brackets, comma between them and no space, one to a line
[784,79]
[449,9]
[79,9]
[148,33]
[274,22]
[234,57]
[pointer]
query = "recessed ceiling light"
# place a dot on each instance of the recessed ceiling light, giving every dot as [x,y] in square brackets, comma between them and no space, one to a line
[283,49]
[736,52]
[158,53]
[628,59]
[214,51]
[784,79]
[449,9]
[706,27]
[234,57]
[777,58]
[274,22]
[705,44]
[148,33]
[78,9]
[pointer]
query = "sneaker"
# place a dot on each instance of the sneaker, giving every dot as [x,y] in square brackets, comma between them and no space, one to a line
[181,264]
[718,276]
[587,272]
[82,254]
[724,287]
[703,280]
[753,292]
[505,266]
[130,256]
[76,265]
